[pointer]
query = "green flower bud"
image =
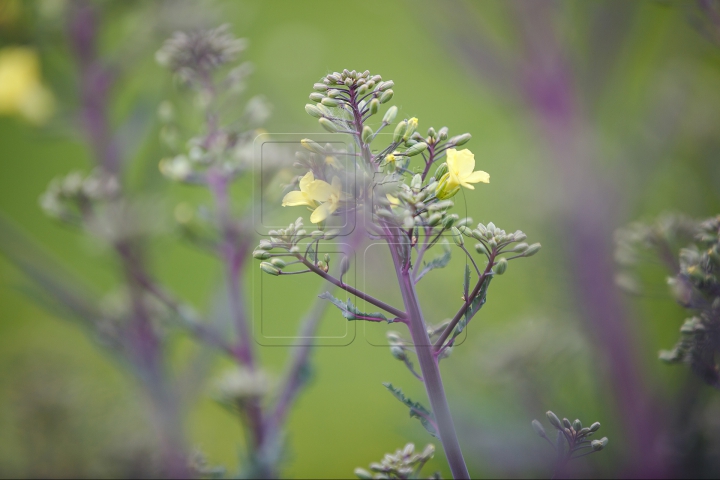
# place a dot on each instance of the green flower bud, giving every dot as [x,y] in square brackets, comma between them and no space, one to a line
[348,82]
[269,268]
[480,248]
[460,139]
[312,146]
[328,125]
[330,102]
[501,266]
[577,425]
[320,87]
[363,474]
[532,250]
[344,265]
[443,133]
[441,170]
[374,106]
[366,134]
[434,219]
[326,257]
[376,78]
[386,85]
[363,90]
[386,96]
[432,133]
[412,126]
[537,426]
[399,131]
[457,236]
[316,97]
[595,427]
[313,111]
[261,254]
[398,352]
[520,247]
[598,445]
[390,114]
[443,191]
[278,262]
[317,234]
[416,149]
[463,229]
[566,423]
[322,265]
[554,420]
[449,220]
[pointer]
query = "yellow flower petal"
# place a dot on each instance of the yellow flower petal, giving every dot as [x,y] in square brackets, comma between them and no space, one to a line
[319,190]
[295,198]
[322,212]
[306,180]
[478,176]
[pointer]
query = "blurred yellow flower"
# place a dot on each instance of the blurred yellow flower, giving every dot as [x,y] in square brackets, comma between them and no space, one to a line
[460,170]
[313,192]
[21,90]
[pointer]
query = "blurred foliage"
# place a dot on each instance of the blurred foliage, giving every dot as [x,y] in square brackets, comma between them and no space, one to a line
[654,106]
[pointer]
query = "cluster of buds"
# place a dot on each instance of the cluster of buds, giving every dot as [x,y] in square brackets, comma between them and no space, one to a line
[194,56]
[493,241]
[572,440]
[694,283]
[71,197]
[403,464]
[286,241]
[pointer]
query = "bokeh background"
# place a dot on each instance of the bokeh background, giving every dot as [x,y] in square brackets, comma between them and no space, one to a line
[587,115]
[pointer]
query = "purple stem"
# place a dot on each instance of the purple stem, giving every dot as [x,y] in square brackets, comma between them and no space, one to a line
[429,368]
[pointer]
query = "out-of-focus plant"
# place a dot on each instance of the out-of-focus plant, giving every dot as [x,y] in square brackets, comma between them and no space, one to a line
[22,91]
[403,464]
[407,207]
[217,156]
[572,441]
[690,251]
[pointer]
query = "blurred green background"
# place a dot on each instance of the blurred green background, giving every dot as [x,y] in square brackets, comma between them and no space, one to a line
[587,115]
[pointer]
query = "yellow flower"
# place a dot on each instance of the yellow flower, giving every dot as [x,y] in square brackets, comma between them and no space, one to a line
[313,192]
[394,201]
[21,91]
[460,170]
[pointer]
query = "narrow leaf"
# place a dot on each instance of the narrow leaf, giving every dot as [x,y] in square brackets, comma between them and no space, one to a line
[437,262]
[416,410]
[351,312]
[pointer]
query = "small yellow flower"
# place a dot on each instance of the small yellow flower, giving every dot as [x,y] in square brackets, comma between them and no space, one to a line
[21,91]
[460,170]
[313,192]
[394,201]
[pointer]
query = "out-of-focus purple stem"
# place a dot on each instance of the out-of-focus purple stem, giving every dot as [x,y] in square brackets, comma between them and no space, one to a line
[95,82]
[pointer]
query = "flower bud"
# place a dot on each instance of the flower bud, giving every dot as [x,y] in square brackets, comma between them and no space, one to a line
[363,89]
[449,220]
[316,97]
[532,250]
[412,126]
[312,146]
[334,93]
[269,268]
[313,111]
[595,427]
[554,420]
[598,445]
[386,85]
[501,266]
[374,106]
[366,134]
[537,426]
[328,125]
[577,425]
[434,219]
[278,262]
[320,87]
[386,96]
[344,265]
[457,236]
[480,248]
[463,229]
[329,102]
[398,352]
[441,170]
[520,247]
[261,254]
[566,423]
[443,191]
[416,149]
[390,115]
[460,139]
[432,133]
[399,131]
[363,474]
[443,133]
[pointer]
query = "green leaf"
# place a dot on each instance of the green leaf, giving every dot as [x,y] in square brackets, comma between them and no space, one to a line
[351,312]
[425,416]
[437,262]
